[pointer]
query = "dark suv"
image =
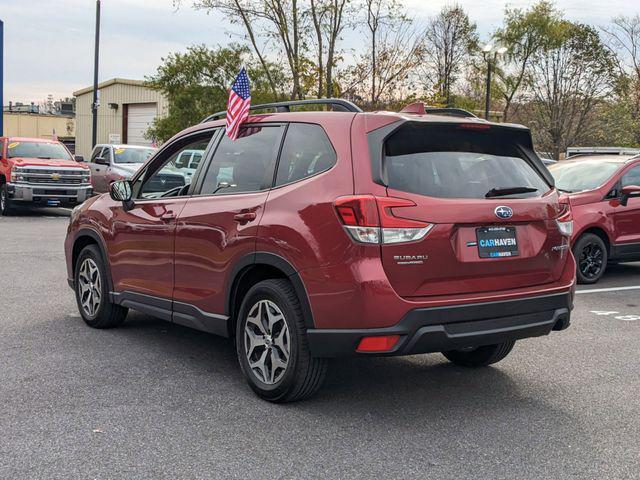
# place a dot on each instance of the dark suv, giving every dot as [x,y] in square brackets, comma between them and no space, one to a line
[335,233]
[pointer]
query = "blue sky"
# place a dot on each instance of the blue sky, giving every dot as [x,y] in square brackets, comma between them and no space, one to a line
[49,43]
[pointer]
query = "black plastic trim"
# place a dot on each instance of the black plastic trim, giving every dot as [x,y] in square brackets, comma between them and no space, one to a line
[177,312]
[440,329]
[155,306]
[193,317]
[88,232]
[276,261]
[625,251]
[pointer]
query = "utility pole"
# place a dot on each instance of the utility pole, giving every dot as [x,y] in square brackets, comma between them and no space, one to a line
[487,98]
[1,77]
[94,106]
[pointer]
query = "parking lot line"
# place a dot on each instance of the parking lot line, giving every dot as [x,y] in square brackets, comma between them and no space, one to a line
[612,289]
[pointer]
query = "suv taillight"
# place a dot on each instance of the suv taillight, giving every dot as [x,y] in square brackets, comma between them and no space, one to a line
[565,217]
[370,219]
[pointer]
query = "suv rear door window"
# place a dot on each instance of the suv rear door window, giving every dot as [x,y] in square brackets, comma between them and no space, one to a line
[244,165]
[455,161]
[306,151]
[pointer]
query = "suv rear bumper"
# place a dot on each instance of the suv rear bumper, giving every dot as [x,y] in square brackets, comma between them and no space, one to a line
[439,329]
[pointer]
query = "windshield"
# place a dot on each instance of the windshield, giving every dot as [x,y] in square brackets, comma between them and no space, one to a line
[451,162]
[582,175]
[132,155]
[38,150]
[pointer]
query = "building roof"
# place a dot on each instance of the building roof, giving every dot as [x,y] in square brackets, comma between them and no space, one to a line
[108,83]
[31,140]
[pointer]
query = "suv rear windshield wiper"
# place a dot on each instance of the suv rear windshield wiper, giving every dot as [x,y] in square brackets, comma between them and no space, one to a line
[500,192]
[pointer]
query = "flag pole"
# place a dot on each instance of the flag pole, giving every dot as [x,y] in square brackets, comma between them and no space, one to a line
[94,106]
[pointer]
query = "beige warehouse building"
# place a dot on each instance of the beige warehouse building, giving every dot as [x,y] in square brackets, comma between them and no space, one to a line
[36,125]
[127,109]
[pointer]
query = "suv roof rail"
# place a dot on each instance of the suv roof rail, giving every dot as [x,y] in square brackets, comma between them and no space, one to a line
[419,108]
[338,105]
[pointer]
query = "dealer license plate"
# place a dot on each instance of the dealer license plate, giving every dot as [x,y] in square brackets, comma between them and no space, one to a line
[496,242]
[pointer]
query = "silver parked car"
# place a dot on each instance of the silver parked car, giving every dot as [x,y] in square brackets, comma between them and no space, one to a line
[116,162]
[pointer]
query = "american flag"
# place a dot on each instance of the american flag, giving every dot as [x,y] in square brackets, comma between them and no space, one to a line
[238,105]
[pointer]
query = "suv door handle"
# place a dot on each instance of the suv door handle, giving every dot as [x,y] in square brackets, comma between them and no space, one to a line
[245,217]
[168,216]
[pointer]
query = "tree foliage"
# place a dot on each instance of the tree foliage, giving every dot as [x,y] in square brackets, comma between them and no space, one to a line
[525,33]
[572,77]
[196,84]
[450,39]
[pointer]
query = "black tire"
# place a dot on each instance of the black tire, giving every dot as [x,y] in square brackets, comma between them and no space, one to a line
[303,374]
[480,356]
[591,258]
[105,314]
[6,208]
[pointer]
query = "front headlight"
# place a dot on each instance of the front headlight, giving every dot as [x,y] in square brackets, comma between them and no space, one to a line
[17,174]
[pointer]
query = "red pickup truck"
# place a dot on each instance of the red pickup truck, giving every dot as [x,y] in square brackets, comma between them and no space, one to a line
[35,171]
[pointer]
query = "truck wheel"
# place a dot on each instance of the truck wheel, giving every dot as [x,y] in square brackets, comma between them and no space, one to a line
[92,294]
[591,257]
[5,202]
[271,344]
[480,356]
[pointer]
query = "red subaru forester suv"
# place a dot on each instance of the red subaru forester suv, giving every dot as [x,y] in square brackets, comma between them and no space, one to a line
[334,233]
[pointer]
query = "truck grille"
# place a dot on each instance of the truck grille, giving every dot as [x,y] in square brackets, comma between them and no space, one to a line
[53,176]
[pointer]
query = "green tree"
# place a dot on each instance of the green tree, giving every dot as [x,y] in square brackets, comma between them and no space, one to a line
[570,83]
[196,84]
[623,38]
[525,33]
[450,40]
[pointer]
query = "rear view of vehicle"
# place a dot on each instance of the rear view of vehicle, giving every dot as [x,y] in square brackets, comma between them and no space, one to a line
[472,238]
[40,173]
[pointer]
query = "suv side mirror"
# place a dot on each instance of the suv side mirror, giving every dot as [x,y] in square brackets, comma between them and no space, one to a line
[630,191]
[121,191]
[79,158]
[101,161]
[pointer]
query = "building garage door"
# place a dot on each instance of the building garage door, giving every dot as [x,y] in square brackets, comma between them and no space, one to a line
[140,116]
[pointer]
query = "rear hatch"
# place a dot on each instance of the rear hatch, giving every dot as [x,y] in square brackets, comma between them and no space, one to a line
[491,204]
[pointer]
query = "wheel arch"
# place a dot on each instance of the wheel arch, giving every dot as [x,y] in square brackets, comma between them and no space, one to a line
[87,237]
[259,266]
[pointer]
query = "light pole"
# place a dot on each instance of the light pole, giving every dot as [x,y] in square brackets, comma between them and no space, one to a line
[490,54]
[94,105]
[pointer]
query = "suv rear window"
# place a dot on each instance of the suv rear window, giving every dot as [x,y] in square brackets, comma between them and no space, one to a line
[458,161]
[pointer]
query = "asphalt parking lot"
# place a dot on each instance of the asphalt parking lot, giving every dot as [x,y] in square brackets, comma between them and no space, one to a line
[152,400]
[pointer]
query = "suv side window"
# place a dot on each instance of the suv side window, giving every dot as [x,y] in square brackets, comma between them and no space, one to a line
[166,178]
[246,164]
[307,151]
[632,177]
[96,153]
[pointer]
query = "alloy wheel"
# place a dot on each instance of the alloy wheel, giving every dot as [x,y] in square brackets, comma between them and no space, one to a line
[591,260]
[89,287]
[266,342]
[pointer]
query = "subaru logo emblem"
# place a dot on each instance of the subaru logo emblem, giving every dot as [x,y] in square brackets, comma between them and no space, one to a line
[503,212]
